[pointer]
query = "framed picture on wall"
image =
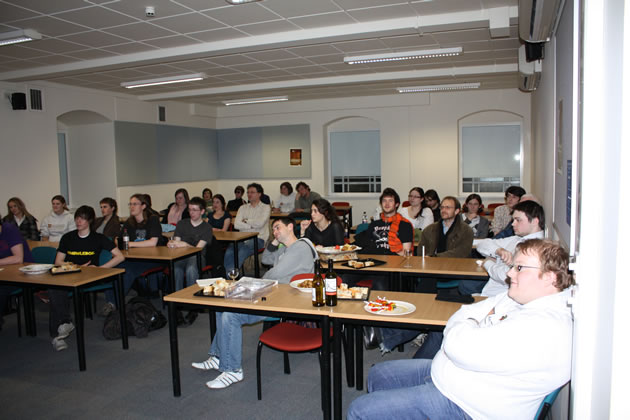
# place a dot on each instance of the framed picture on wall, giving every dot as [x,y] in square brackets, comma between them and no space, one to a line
[295,157]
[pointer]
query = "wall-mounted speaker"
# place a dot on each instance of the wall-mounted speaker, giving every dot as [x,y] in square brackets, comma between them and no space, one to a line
[18,100]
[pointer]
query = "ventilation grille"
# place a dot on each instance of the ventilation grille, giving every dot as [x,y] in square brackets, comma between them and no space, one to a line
[161,113]
[36,99]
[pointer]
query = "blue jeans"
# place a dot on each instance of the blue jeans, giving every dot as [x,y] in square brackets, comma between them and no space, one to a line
[245,249]
[468,287]
[228,341]
[133,269]
[403,389]
[432,344]
[186,272]
[392,337]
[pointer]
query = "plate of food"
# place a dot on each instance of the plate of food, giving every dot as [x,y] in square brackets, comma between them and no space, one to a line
[382,306]
[214,288]
[337,249]
[65,268]
[33,269]
[364,263]
[305,286]
[352,293]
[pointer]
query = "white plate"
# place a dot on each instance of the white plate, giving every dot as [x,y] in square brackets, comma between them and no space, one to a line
[36,268]
[330,250]
[402,308]
[295,283]
[208,282]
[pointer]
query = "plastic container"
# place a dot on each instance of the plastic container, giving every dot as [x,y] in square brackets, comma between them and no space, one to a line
[249,288]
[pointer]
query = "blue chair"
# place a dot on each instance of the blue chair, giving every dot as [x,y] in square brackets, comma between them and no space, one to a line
[44,254]
[361,228]
[546,404]
[93,290]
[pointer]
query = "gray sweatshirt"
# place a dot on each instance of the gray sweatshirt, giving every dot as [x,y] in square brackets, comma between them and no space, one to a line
[289,261]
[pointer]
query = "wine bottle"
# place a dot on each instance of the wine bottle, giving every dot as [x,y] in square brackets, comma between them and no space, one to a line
[125,239]
[318,286]
[331,285]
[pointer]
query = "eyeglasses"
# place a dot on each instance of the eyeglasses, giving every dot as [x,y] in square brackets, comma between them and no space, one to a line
[519,268]
[413,196]
[447,207]
[135,204]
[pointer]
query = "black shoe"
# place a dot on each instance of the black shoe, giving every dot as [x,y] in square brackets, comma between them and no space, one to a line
[191,317]
[370,338]
[180,319]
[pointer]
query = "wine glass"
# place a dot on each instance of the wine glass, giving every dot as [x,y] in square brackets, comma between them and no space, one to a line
[407,253]
[233,273]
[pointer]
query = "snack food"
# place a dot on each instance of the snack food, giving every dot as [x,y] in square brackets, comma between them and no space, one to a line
[308,284]
[218,288]
[381,305]
[65,267]
[345,292]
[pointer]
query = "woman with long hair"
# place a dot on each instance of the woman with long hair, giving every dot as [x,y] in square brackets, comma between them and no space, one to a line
[324,228]
[58,222]
[18,215]
[109,223]
[471,215]
[177,210]
[432,199]
[418,214]
[285,203]
[220,219]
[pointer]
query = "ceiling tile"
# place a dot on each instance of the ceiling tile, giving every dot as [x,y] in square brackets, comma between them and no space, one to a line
[191,22]
[90,54]
[51,26]
[409,42]
[9,13]
[57,46]
[270,55]
[323,20]
[203,4]
[230,60]
[503,44]
[125,74]
[385,12]
[292,8]
[217,34]
[444,6]
[327,59]
[50,6]
[196,65]
[242,15]
[95,39]
[251,67]
[450,37]
[313,50]
[21,51]
[139,31]
[291,62]
[309,70]
[171,41]
[236,78]
[360,4]
[130,48]
[362,45]
[163,8]
[476,46]
[268,27]
[158,69]
[95,17]
[272,73]
[51,60]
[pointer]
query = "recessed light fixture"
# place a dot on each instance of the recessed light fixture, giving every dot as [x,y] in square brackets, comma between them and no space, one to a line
[255,100]
[241,1]
[22,35]
[435,88]
[164,80]
[405,55]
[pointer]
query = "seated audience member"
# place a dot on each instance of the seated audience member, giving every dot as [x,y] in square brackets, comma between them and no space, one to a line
[508,230]
[473,218]
[305,197]
[179,209]
[82,247]
[529,223]
[233,205]
[417,213]
[58,222]
[192,232]
[207,197]
[500,357]
[286,200]
[150,209]
[13,250]
[20,217]
[251,217]
[503,214]
[432,199]
[109,224]
[295,257]
[144,231]
[219,219]
[324,228]
[450,237]
[264,198]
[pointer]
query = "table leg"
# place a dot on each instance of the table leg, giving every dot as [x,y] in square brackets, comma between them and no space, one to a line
[172,332]
[78,320]
[349,353]
[256,265]
[235,245]
[199,267]
[171,276]
[123,312]
[336,369]
[325,323]
[350,217]
[213,324]
[358,334]
[29,312]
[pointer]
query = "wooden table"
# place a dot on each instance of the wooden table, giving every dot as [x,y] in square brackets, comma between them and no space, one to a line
[283,300]
[73,281]
[235,238]
[163,254]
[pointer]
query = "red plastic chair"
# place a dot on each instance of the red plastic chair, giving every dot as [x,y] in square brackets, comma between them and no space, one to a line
[340,213]
[406,204]
[491,207]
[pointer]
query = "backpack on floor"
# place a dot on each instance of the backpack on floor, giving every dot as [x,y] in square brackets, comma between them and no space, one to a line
[142,317]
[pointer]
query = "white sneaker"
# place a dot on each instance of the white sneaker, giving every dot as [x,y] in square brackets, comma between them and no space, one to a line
[107,309]
[225,379]
[211,363]
[419,340]
[59,344]
[64,330]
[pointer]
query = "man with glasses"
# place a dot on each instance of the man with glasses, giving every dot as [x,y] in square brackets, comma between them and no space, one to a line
[528,223]
[450,237]
[500,356]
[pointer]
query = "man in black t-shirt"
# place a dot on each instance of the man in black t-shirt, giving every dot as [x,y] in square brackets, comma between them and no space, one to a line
[82,247]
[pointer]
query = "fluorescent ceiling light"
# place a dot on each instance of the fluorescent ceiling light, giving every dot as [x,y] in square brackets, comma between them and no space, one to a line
[164,80]
[435,88]
[256,100]
[240,1]
[406,55]
[23,35]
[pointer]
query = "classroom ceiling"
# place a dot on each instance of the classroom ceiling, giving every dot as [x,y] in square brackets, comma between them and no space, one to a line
[267,48]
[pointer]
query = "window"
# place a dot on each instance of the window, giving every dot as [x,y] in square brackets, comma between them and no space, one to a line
[489,157]
[355,162]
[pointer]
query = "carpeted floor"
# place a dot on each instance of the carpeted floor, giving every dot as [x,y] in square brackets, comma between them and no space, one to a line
[38,382]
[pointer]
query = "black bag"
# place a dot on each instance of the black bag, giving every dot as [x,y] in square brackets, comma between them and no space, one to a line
[142,317]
